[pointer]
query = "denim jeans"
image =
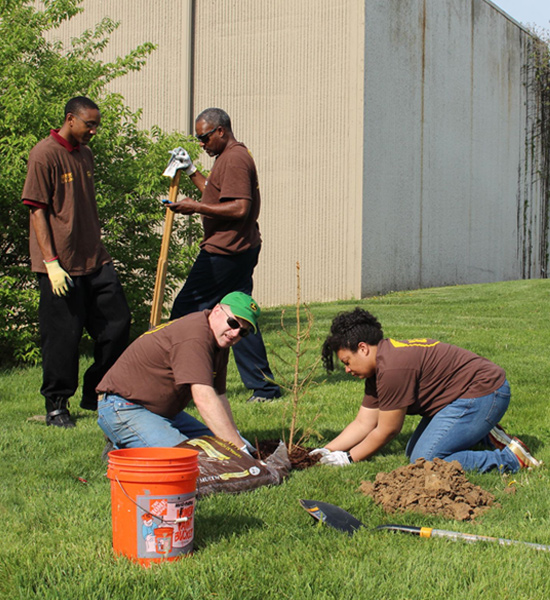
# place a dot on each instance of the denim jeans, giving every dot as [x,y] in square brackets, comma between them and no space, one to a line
[130,425]
[451,433]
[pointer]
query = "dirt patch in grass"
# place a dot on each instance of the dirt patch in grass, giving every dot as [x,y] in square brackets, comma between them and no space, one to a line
[430,487]
[299,455]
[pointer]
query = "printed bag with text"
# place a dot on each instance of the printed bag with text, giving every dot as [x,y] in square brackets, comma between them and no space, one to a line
[225,468]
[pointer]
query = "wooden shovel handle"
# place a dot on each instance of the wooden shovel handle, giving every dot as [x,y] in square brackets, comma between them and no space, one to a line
[162,266]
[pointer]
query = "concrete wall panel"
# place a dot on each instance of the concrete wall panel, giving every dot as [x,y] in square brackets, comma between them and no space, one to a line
[392,169]
[447,116]
[163,87]
[290,76]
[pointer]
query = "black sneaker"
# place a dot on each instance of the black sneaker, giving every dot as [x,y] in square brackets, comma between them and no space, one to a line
[108,447]
[60,418]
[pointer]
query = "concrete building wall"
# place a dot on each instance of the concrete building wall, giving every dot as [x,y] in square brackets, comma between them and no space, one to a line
[448,109]
[396,142]
[290,74]
[163,87]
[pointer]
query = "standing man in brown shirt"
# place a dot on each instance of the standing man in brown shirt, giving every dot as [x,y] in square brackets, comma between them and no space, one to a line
[79,287]
[229,207]
[461,397]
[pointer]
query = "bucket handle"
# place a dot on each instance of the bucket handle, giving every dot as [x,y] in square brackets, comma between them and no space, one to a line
[162,519]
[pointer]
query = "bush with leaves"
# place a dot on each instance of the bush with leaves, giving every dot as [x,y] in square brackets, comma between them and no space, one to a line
[37,77]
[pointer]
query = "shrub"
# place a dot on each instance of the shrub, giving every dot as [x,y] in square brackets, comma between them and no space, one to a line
[37,77]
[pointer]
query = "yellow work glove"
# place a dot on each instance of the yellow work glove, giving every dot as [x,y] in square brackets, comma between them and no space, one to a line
[59,278]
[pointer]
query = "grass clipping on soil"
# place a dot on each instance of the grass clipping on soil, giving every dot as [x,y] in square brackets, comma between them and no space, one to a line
[433,488]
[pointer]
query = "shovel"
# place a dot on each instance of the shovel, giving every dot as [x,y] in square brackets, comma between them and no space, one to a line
[173,170]
[339,519]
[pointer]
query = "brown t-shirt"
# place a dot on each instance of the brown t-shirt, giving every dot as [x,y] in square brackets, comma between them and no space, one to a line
[63,182]
[233,177]
[425,375]
[157,370]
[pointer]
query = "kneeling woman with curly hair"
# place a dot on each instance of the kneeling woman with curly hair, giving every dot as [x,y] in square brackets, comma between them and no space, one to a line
[461,397]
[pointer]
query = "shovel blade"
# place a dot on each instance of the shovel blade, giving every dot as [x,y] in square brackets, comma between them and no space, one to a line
[332,515]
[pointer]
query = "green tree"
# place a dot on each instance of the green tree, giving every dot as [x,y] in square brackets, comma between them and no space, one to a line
[37,77]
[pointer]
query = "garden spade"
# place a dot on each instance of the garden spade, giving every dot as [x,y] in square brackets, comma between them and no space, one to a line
[332,515]
[339,519]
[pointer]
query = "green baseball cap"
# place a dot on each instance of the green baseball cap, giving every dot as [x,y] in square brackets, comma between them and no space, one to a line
[243,306]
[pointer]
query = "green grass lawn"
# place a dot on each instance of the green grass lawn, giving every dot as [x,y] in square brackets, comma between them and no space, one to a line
[262,544]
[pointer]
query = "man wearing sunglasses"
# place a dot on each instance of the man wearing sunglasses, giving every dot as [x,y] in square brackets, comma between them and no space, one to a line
[229,207]
[145,394]
[79,287]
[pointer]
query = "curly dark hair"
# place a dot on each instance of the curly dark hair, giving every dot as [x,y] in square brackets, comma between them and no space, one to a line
[348,329]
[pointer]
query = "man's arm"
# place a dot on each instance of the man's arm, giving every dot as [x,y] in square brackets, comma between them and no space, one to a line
[60,280]
[43,233]
[199,180]
[229,209]
[216,413]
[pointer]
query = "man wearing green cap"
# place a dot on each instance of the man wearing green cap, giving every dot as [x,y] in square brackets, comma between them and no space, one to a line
[144,395]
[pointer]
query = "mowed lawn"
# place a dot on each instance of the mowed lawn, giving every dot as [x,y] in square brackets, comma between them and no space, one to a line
[55,498]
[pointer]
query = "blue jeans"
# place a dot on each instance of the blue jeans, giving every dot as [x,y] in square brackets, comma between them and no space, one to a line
[210,279]
[451,433]
[130,425]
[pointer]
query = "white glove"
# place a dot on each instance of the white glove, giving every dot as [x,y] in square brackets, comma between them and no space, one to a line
[245,450]
[248,447]
[336,459]
[180,160]
[321,451]
[59,278]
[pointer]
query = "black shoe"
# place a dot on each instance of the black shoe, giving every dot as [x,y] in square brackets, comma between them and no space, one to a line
[60,418]
[108,447]
[89,403]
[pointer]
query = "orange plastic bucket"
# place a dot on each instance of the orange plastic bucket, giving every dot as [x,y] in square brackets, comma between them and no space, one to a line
[153,502]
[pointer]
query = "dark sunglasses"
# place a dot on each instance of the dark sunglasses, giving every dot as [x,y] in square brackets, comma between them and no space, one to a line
[234,324]
[204,137]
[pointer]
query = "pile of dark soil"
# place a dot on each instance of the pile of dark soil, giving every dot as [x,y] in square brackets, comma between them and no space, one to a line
[434,488]
[299,456]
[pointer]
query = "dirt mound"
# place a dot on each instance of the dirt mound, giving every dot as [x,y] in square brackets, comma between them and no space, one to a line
[434,488]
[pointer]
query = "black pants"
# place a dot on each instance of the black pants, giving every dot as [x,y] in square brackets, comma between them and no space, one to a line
[95,303]
[210,279]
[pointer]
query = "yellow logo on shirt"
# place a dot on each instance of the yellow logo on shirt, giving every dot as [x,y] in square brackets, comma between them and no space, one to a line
[67,178]
[422,342]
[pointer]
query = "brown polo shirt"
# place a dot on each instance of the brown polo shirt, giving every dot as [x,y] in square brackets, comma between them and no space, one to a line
[425,375]
[233,177]
[158,369]
[60,179]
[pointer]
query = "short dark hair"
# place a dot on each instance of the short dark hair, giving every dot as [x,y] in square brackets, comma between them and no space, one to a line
[78,104]
[348,329]
[215,117]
